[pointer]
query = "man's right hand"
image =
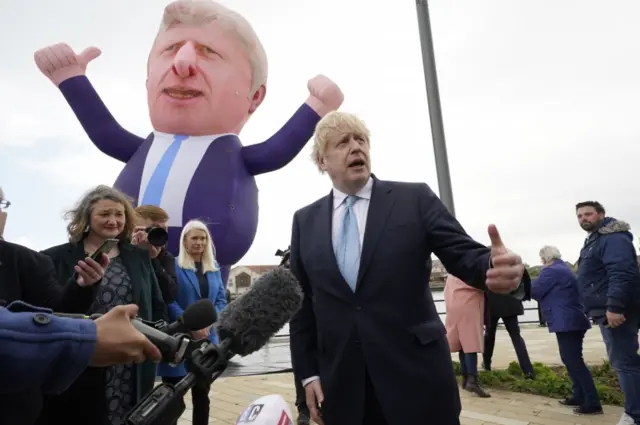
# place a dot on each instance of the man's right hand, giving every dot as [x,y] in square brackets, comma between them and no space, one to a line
[118,342]
[315,398]
[59,62]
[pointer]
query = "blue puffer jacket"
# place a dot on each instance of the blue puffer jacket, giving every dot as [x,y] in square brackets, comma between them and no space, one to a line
[608,274]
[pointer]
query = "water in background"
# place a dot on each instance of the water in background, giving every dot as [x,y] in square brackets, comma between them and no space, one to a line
[438,297]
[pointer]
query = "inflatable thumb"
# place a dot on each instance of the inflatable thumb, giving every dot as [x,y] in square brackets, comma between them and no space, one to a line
[89,54]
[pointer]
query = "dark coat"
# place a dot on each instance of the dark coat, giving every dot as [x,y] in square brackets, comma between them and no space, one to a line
[390,325]
[556,288]
[85,402]
[608,275]
[30,276]
[503,305]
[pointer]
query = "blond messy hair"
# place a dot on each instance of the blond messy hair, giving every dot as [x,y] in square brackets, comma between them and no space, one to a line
[201,12]
[333,126]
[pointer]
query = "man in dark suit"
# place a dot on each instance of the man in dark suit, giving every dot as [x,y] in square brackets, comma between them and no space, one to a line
[368,341]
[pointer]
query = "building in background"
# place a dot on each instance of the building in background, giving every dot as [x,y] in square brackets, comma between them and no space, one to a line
[242,277]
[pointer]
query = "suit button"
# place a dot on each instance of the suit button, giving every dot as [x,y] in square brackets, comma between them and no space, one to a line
[358,342]
[41,319]
[231,206]
[358,308]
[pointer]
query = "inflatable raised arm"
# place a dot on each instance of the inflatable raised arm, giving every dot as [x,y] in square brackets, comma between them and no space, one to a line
[207,74]
[66,70]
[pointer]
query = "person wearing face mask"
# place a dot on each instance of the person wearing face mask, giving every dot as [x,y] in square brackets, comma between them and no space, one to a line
[199,277]
[105,395]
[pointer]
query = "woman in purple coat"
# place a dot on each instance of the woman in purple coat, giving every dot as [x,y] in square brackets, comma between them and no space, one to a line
[556,289]
[206,76]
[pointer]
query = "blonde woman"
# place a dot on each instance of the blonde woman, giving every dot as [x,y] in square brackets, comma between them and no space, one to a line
[198,275]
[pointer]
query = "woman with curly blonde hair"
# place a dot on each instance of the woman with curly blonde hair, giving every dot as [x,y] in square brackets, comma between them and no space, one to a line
[105,395]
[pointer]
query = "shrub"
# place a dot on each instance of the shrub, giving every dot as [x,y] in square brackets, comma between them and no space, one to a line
[551,381]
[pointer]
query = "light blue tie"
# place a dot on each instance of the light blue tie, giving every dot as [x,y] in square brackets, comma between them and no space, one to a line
[155,188]
[348,250]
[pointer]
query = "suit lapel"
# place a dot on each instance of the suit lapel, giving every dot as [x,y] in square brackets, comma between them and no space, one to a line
[380,206]
[193,279]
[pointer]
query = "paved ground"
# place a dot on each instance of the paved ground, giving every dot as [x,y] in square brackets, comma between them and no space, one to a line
[541,344]
[229,396]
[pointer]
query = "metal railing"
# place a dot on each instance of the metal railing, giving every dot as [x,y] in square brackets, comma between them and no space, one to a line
[521,320]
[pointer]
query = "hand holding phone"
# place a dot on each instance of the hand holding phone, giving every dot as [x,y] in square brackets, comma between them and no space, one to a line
[91,270]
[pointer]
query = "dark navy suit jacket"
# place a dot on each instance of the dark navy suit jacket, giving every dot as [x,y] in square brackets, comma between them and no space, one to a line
[389,328]
[556,288]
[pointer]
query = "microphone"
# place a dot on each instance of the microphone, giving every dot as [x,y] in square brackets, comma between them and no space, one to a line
[199,315]
[268,410]
[244,327]
[196,316]
[250,321]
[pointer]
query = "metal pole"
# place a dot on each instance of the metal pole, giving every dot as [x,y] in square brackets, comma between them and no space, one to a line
[435,110]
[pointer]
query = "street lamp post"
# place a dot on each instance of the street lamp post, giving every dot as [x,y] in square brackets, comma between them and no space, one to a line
[435,110]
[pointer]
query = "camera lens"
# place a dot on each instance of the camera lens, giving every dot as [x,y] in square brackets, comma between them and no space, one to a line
[157,236]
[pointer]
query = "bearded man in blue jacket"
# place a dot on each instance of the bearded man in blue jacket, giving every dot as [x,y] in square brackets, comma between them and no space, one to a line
[609,284]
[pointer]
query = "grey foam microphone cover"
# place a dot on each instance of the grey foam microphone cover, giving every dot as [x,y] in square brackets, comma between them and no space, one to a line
[252,319]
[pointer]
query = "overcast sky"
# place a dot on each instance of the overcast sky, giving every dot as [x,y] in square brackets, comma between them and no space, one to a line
[540,103]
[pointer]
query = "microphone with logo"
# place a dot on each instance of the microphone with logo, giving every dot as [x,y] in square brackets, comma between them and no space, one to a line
[243,327]
[268,410]
[170,338]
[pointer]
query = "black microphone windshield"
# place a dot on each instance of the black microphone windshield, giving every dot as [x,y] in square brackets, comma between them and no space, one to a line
[199,315]
[252,319]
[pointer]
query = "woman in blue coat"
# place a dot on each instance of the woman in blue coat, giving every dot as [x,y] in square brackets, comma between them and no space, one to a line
[556,289]
[198,277]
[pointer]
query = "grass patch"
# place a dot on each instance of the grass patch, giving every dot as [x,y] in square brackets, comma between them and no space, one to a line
[551,381]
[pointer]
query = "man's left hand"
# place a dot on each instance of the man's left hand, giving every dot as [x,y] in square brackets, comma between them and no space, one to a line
[614,319]
[324,95]
[507,271]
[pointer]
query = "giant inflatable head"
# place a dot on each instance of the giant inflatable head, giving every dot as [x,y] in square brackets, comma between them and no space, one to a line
[207,70]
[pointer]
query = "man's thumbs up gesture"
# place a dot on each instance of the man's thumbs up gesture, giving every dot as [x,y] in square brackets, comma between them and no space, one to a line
[59,62]
[506,270]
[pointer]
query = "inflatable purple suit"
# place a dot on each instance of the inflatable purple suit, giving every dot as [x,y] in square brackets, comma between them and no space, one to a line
[207,73]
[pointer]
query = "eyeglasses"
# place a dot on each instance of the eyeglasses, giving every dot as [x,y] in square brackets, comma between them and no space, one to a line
[4,204]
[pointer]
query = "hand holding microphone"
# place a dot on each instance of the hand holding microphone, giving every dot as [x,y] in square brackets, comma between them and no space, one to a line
[118,341]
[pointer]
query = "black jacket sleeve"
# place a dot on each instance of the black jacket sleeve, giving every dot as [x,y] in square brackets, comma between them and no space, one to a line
[164,267]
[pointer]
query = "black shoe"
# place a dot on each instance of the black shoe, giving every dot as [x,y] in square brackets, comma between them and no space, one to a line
[582,410]
[530,375]
[569,402]
[486,366]
[474,387]
[303,419]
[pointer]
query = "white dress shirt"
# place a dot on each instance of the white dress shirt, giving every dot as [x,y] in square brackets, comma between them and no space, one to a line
[360,210]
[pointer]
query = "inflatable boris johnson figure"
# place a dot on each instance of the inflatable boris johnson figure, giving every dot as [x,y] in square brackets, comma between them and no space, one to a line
[206,76]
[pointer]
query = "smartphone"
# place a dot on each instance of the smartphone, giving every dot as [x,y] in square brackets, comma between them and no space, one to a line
[105,248]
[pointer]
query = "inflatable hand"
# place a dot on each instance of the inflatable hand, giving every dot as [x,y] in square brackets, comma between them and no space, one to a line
[59,62]
[324,95]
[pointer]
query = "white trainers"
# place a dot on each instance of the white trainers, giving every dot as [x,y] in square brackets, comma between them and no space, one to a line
[626,420]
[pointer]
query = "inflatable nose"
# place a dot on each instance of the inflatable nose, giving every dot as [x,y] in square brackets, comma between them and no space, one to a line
[184,63]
